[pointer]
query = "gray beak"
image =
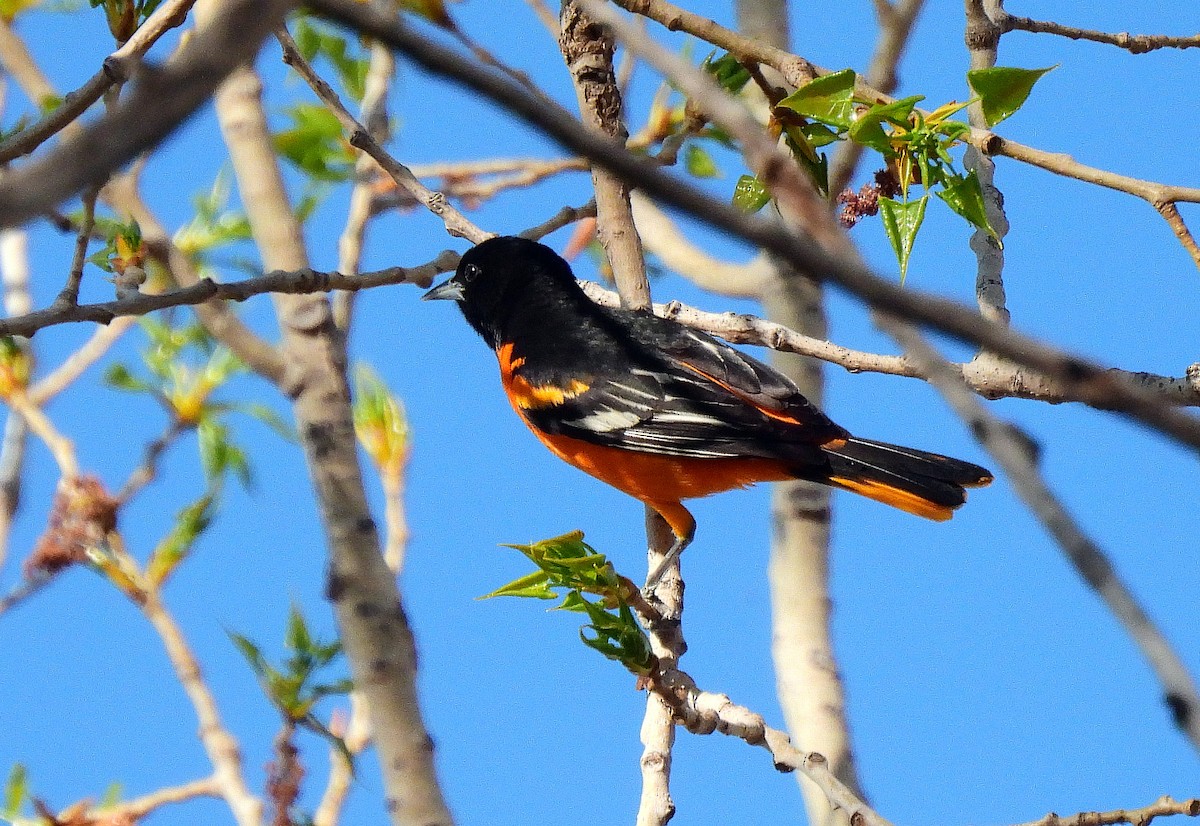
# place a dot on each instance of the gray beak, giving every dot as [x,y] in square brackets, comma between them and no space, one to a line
[451,290]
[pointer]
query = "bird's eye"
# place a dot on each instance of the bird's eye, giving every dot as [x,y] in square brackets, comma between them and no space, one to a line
[471,271]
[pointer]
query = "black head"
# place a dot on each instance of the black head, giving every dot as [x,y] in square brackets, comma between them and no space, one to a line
[504,278]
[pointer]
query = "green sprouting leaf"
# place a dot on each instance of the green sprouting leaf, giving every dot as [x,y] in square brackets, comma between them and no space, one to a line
[829,99]
[315,143]
[618,637]
[118,376]
[699,163]
[749,194]
[16,790]
[535,585]
[868,129]
[727,71]
[1003,90]
[252,653]
[901,221]
[112,796]
[314,40]
[298,638]
[308,39]
[219,455]
[965,197]
[191,522]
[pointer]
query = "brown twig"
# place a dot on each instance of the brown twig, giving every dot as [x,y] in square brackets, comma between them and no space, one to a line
[161,100]
[456,223]
[117,69]
[1133,43]
[1163,807]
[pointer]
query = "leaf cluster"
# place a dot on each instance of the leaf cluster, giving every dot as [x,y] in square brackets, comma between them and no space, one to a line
[571,570]
[916,146]
[183,370]
[294,686]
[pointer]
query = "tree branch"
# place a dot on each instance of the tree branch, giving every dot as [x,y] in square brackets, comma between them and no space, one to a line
[1016,455]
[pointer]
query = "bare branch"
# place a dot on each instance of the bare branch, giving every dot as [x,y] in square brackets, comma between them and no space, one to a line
[117,69]
[588,50]
[456,223]
[160,101]
[219,744]
[1134,43]
[1162,807]
[703,712]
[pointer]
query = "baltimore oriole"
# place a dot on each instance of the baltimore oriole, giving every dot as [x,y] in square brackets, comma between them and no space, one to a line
[664,412]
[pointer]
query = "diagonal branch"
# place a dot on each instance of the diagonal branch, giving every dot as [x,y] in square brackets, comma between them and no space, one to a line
[1014,452]
[162,99]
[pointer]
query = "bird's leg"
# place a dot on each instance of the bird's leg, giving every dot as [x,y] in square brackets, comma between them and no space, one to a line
[670,556]
[682,525]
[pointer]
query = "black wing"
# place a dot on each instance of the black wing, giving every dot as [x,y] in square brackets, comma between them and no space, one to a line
[659,387]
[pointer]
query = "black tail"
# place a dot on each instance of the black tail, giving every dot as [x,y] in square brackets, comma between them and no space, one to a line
[925,484]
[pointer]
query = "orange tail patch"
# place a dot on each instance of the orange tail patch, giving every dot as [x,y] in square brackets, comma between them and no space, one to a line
[896,497]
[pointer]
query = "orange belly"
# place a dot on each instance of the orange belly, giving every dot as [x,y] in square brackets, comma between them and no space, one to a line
[653,477]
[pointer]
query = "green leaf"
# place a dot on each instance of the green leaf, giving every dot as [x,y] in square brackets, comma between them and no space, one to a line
[727,71]
[699,163]
[16,790]
[298,638]
[119,377]
[818,134]
[219,455]
[749,194]
[1002,90]
[535,585]
[901,220]
[315,143]
[965,197]
[868,128]
[618,637]
[829,99]
[112,796]
[252,653]
[191,522]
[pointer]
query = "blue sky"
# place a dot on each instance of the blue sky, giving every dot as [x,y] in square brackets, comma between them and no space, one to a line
[986,684]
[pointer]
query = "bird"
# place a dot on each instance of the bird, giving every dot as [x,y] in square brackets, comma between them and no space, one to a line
[664,412]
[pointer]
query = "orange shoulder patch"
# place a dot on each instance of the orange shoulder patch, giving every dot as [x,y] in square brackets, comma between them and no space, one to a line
[527,396]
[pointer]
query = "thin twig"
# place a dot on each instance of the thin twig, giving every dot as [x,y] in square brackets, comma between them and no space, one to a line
[220,745]
[456,223]
[1133,43]
[117,68]
[147,471]
[69,295]
[1163,807]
